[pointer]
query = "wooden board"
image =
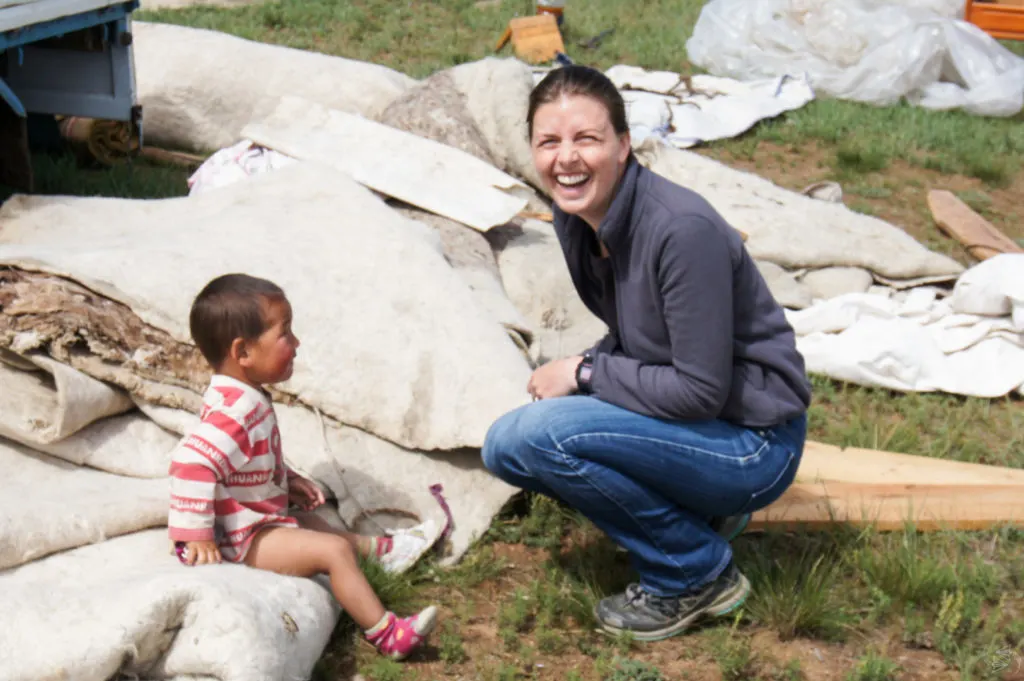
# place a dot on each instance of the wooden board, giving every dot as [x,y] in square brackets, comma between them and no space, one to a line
[871,466]
[888,507]
[887,490]
[979,237]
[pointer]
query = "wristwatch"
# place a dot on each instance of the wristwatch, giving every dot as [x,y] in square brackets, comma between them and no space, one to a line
[584,371]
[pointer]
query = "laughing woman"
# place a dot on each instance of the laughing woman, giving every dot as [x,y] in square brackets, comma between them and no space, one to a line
[691,413]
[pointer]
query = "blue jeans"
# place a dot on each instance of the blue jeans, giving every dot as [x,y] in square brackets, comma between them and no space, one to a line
[651,485]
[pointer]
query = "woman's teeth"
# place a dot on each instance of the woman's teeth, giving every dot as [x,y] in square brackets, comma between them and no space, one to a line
[572,180]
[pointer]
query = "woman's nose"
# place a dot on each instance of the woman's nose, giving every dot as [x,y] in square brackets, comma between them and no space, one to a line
[567,153]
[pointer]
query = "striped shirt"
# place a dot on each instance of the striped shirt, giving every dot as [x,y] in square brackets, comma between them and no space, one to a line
[228,476]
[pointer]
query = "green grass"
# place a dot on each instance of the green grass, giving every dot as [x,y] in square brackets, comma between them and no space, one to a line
[57,173]
[796,595]
[945,426]
[874,667]
[634,670]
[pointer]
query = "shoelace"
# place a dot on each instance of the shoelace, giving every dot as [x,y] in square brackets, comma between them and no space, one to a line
[637,597]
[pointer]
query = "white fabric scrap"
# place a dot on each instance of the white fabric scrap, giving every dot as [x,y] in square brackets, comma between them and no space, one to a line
[970,343]
[686,111]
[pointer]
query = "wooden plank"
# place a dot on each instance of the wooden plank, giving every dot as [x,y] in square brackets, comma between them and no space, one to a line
[889,507]
[533,215]
[413,169]
[979,237]
[870,466]
[887,489]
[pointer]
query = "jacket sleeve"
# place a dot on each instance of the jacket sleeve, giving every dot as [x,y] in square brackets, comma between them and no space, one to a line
[695,278]
[608,344]
[202,460]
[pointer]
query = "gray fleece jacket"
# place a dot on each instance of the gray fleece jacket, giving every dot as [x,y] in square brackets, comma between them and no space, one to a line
[695,334]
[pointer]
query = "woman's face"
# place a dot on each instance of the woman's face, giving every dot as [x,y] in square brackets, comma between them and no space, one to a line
[578,155]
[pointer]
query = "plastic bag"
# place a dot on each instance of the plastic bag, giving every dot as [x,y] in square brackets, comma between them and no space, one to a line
[234,163]
[862,50]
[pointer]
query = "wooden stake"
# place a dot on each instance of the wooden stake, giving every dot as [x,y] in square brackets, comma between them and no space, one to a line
[981,239]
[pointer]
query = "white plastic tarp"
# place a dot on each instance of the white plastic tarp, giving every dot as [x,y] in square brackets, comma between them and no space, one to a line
[861,50]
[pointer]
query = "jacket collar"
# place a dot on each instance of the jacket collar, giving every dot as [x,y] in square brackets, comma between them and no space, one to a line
[615,227]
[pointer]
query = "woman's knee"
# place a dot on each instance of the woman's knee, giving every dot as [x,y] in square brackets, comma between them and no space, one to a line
[516,439]
[500,440]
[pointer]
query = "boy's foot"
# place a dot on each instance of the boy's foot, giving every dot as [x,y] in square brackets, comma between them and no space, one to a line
[730,526]
[398,638]
[402,548]
[652,618]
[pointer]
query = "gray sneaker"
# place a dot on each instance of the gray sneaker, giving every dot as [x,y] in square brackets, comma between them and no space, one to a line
[653,618]
[730,526]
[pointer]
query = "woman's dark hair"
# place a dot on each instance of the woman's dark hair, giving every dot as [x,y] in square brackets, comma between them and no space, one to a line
[579,80]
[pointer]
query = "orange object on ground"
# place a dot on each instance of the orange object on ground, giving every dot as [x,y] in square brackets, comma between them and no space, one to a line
[535,39]
[1002,19]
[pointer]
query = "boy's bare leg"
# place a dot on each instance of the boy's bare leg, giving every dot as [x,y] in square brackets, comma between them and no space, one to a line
[304,553]
[312,521]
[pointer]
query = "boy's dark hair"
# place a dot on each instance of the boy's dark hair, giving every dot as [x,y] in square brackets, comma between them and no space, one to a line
[229,307]
[579,80]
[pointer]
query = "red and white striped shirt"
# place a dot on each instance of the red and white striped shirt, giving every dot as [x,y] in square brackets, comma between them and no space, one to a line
[228,476]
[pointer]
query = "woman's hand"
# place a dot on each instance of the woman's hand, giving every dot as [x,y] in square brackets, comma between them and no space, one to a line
[305,493]
[554,379]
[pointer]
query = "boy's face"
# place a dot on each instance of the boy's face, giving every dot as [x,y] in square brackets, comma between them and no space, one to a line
[269,358]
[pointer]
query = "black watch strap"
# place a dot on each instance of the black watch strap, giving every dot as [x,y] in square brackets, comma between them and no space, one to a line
[584,371]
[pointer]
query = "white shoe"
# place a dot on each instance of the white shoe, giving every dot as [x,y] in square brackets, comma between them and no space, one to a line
[408,545]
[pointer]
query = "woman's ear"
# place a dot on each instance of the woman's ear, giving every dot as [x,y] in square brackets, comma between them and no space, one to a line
[625,146]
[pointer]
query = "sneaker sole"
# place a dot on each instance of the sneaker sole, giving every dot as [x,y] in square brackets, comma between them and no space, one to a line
[726,603]
[426,620]
[409,561]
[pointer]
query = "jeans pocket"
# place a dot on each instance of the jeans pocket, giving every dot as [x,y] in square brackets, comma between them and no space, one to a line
[780,482]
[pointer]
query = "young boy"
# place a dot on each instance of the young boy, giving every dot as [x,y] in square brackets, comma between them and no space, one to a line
[230,487]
